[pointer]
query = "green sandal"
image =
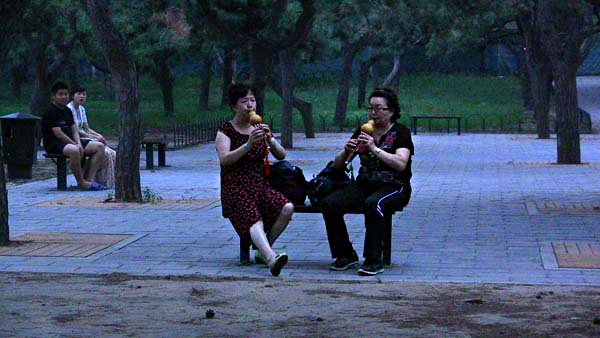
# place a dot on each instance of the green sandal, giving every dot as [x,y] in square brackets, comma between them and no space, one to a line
[259,259]
[278,262]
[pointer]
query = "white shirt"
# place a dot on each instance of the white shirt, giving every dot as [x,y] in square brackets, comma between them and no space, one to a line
[80,118]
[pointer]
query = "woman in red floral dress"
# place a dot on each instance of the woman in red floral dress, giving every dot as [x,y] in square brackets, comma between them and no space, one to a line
[255,209]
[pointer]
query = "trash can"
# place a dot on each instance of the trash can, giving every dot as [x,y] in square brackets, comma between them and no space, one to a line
[19,131]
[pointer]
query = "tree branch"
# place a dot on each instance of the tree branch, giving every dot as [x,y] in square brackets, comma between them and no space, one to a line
[585,49]
[59,64]
[220,24]
[277,12]
[303,25]
[101,67]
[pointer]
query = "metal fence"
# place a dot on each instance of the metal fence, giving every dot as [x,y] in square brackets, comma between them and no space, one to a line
[205,131]
[473,123]
[193,133]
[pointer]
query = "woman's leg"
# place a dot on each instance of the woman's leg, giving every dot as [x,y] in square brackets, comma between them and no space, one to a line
[378,205]
[109,172]
[96,151]
[281,223]
[335,207]
[260,240]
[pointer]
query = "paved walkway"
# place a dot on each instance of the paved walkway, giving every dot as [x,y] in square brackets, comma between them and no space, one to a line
[477,215]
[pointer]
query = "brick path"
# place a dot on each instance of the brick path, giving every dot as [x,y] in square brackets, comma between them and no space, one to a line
[477,215]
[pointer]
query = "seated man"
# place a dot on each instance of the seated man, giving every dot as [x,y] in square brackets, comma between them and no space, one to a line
[61,136]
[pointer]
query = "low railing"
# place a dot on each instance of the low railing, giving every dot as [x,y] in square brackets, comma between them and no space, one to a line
[474,123]
[193,133]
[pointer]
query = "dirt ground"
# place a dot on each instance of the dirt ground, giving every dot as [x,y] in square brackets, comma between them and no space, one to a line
[43,305]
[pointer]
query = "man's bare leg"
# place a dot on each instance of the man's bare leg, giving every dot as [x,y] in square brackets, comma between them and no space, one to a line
[96,152]
[72,152]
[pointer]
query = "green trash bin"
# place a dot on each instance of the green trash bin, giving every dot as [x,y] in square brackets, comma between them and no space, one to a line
[19,131]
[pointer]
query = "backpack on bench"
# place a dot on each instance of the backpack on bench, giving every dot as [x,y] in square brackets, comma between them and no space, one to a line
[289,180]
[327,181]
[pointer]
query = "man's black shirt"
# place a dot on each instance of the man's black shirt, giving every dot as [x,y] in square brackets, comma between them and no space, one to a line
[56,117]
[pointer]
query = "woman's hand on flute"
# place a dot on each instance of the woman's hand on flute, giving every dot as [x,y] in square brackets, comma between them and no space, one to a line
[351,148]
[268,135]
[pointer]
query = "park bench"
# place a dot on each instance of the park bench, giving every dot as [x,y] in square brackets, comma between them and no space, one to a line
[416,118]
[161,143]
[61,168]
[303,209]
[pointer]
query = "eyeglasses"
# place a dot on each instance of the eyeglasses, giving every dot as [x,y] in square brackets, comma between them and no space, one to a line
[377,109]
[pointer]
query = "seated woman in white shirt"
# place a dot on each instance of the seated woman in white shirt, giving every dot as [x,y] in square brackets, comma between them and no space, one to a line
[106,174]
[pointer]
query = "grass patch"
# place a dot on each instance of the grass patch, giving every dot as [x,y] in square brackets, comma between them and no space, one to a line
[463,95]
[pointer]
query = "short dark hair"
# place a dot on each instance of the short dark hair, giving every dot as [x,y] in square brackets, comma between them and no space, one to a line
[58,86]
[391,99]
[77,89]
[236,91]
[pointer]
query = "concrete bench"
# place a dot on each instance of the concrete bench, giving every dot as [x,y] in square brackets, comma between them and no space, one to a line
[303,209]
[61,168]
[416,118]
[161,143]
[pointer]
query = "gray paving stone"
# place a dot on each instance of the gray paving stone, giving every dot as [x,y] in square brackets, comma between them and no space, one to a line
[468,219]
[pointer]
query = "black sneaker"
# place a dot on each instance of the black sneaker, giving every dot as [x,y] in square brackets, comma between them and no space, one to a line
[370,268]
[344,263]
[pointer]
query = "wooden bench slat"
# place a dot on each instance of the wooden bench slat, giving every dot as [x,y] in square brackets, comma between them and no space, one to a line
[155,140]
[305,209]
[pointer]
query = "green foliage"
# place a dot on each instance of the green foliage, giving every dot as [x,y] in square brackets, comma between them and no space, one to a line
[424,94]
[462,95]
[148,196]
[456,25]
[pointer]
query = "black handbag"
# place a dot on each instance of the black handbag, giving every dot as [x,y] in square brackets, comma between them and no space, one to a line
[289,180]
[327,181]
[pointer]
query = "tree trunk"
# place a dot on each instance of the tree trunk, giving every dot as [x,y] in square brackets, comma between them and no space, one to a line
[341,103]
[526,96]
[41,91]
[539,73]
[116,52]
[259,59]
[72,71]
[162,74]
[567,113]
[540,77]
[304,107]
[40,95]
[561,25]
[45,74]
[286,60]
[11,17]
[394,72]
[227,74]
[526,91]
[205,83]
[4,230]
[166,87]
[18,74]
[482,50]
[109,93]
[366,69]
[363,78]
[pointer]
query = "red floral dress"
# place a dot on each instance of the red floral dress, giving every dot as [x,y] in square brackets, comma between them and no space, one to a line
[246,196]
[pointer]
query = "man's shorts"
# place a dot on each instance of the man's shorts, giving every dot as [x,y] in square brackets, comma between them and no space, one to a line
[58,148]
